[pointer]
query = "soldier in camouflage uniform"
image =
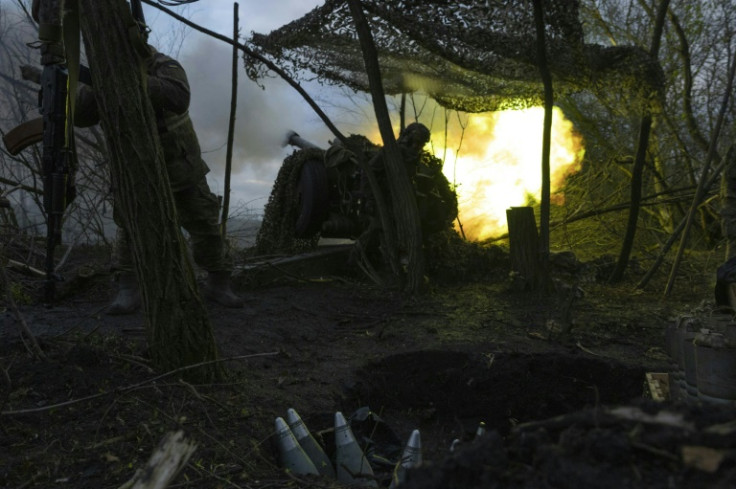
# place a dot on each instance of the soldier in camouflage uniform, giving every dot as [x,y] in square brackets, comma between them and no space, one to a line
[197,207]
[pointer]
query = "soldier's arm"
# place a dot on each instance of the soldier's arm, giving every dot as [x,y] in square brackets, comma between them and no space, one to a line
[168,87]
[85,110]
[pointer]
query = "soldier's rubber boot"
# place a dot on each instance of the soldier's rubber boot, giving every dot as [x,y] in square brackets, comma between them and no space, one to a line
[128,299]
[218,289]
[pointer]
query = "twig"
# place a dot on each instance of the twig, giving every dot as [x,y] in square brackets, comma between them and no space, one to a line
[141,362]
[363,261]
[580,345]
[133,386]
[700,191]
[8,384]
[236,454]
[67,252]
[287,273]
[26,269]
[655,451]
[212,474]
[305,310]
[676,233]
[191,389]
[30,481]
[231,128]
[112,441]
[34,347]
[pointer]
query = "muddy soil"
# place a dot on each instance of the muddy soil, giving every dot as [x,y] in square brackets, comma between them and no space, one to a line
[557,379]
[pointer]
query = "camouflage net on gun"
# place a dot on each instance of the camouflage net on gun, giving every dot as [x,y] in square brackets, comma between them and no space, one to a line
[467,55]
[276,234]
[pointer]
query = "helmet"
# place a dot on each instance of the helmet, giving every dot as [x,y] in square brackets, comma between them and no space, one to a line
[414,136]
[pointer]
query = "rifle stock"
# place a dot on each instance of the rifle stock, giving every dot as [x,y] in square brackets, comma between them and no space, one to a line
[24,135]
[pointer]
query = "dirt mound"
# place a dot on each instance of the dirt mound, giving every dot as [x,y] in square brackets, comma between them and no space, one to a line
[468,351]
[640,446]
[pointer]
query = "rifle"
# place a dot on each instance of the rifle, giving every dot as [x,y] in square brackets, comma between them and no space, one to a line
[137,10]
[56,160]
[31,132]
[138,30]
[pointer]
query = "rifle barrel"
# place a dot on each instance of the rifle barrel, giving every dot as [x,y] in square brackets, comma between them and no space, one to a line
[55,159]
[136,8]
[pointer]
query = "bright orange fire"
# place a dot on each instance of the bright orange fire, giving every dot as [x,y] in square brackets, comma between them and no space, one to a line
[499,165]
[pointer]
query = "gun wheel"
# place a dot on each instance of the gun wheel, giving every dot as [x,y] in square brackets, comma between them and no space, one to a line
[312,199]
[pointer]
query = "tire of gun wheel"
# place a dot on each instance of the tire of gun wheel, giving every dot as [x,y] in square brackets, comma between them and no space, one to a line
[312,199]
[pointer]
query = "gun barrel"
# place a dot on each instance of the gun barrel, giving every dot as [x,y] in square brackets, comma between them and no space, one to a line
[55,161]
[295,139]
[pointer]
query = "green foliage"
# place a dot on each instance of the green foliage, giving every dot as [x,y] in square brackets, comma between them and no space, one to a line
[451,258]
[276,234]
[19,293]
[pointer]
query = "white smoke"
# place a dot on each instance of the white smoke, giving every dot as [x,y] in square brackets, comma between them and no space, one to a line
[263,115]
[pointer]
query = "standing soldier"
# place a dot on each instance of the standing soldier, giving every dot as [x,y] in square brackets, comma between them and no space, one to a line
[197,207]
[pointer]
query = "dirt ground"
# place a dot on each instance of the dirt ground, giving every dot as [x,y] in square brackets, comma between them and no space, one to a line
[557,379]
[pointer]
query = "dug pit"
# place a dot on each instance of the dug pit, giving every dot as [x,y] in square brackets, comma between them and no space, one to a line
[448,394]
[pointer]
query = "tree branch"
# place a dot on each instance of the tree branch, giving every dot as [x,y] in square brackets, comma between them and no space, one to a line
[249,52]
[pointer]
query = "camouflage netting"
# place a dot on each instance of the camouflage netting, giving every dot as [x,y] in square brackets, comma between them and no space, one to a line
[438,207]
[276,234]
[471,56]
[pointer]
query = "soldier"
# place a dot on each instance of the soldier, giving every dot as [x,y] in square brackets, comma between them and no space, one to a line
[411,142]
[197,207]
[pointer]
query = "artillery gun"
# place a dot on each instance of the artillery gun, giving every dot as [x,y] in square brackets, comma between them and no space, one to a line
[327,193]
[333,197]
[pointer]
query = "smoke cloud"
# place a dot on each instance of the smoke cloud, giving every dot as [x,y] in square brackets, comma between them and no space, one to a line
[264,114]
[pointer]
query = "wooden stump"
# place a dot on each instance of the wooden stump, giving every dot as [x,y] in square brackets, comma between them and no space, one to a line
[169,458]
[524,247]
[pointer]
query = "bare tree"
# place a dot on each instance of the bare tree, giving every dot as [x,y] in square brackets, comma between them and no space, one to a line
[642,144]
[695,64]
[87,219]
[178,328]
[408,229]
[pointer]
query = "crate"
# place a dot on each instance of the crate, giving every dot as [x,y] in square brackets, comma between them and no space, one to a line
[657,386]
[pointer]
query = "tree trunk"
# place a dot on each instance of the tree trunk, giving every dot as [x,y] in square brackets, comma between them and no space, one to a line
[680,227]
[728,204]
[546,144]
[700,191]
[408,229]
[524,247]
[641,153]
[231,127]
[178,328]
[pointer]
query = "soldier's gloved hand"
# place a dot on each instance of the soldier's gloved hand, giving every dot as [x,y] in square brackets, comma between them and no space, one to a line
[31,73]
